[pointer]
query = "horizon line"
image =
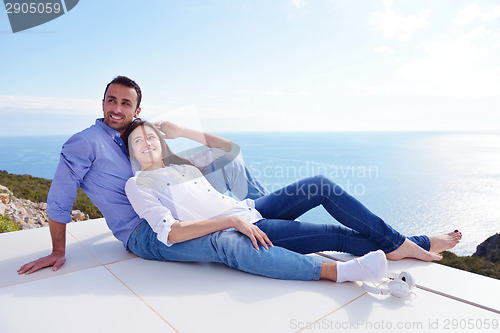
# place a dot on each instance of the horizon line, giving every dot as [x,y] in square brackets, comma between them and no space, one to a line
[308,131]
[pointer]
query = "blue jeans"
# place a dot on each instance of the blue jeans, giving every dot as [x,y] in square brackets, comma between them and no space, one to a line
[365,231]
[292,239]
[229,247]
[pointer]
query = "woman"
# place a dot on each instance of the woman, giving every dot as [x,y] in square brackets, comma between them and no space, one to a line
[186,219]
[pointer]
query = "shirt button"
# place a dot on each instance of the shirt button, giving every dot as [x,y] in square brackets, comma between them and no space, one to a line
[164,220]
[168,184]
[249,208]
[196,182]
[208,190]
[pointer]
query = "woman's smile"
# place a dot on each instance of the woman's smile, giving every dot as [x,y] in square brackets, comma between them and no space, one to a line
[146,148]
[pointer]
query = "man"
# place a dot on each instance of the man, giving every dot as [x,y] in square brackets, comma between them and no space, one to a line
[96,160]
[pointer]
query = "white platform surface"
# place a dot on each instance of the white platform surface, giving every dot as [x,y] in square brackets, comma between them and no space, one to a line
[103,288]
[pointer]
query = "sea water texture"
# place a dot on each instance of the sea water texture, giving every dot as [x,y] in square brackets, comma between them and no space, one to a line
[419,182]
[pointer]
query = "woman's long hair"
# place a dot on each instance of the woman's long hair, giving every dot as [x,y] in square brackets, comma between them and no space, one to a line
[168,155]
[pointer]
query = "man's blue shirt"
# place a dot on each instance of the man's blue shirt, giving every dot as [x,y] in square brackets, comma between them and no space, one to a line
[94,159]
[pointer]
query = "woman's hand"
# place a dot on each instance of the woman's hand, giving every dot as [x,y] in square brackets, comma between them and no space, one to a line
[173,131]
[253,232]
[169,129]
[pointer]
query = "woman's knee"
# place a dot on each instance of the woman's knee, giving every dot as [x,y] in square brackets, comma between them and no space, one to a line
[322,186]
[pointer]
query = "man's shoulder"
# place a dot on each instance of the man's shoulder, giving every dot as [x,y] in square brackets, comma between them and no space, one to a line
[89,132]
[86,137]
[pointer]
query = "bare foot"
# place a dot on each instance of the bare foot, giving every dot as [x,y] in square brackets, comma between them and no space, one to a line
[411,250]
[443,242]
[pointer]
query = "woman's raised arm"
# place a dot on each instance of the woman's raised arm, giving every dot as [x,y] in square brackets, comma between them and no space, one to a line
[173,131]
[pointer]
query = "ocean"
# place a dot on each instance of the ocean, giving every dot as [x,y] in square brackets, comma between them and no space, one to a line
[419,182]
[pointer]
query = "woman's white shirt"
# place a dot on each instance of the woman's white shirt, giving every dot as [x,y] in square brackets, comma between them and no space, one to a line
[181,193]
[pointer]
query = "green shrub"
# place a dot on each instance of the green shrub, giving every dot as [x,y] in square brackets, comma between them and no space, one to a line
[36,189]
[472,264]
[7,225]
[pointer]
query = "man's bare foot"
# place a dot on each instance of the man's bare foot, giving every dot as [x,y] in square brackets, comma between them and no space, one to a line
[443,242]
[411,250]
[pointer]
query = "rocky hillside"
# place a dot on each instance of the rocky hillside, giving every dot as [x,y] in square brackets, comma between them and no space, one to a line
[27,214]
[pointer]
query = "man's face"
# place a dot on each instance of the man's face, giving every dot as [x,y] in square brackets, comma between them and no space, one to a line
[119,106]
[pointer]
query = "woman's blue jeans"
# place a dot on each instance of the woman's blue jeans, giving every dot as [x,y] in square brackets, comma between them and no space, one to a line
[363,232]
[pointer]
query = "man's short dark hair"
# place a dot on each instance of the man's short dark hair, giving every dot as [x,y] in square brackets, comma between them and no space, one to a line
[127,82]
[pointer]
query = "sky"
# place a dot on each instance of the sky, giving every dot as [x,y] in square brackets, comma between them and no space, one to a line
[260,65]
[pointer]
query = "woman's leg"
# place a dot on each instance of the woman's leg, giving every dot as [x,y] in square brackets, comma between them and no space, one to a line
[236,250]
[307,237]
[231,248]
[293,200]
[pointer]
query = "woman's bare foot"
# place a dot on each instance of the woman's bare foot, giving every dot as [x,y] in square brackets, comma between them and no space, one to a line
[443,242]
[411,250]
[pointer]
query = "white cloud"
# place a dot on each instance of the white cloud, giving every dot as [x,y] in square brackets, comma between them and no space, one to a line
[384,49]
[450,62]
[492,15]
[473,12]
[467,15]
[223,98]
[459,51]
[299,3]
[459,66]
[388,3]
[454,68]
[284,93]
[394,25]
[50,104]
[260,120]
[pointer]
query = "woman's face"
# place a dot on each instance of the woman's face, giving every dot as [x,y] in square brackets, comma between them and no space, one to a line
[146,148]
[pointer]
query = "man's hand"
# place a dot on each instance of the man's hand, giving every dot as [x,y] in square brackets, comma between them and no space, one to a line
[56,260]
[253,232]
[169,129]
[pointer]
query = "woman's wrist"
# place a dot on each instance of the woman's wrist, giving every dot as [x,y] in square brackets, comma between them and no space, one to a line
[233,222]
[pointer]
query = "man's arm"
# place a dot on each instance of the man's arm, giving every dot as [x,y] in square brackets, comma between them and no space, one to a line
[76,160]
[57,258]
[173,131]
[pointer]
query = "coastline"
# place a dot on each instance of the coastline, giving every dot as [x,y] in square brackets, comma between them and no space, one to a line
[429,182]
[29,212]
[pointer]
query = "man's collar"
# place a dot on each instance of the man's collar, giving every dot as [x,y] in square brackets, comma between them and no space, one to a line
[111,131]
[115,135]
